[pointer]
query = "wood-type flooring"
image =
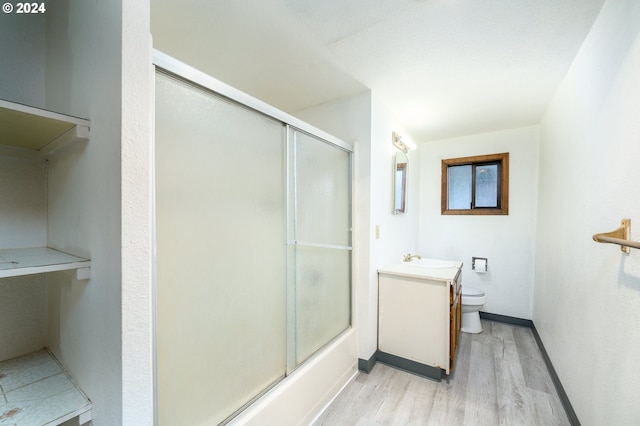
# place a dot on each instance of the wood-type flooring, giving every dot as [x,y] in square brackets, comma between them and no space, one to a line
[500,379]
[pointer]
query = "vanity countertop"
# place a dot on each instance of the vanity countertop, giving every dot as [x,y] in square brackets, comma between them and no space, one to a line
[406,269]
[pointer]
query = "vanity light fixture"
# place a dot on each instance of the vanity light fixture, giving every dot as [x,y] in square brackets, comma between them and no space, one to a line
[397,141]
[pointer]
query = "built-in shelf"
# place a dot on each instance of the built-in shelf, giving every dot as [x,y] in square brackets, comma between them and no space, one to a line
[37,390]
[26,130]
[37,260]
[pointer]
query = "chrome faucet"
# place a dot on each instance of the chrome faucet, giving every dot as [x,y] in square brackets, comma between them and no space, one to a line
[409,256]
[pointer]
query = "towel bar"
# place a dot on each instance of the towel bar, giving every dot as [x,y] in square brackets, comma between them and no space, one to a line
[620,236]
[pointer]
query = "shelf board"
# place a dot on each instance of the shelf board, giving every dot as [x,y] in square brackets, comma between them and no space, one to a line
[36,390]
[34,129]
[37,260]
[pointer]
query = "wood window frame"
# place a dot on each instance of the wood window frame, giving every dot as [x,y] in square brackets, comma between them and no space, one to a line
[503,188]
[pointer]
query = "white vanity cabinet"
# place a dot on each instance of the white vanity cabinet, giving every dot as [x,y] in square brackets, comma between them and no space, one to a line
[419,317]
[34,387]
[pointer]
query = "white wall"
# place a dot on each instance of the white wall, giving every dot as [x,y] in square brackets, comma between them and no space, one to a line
[84,78]
[398,232]
[22,45]
[24,203]
[587,295]
[23,314]
[364,120]
[506,241]
[137,211]
[23,308]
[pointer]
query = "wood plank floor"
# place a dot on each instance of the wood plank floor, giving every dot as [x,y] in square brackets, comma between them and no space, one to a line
[500,379]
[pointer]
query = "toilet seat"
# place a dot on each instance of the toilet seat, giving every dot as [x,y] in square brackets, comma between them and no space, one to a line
[472,291]
[472,296]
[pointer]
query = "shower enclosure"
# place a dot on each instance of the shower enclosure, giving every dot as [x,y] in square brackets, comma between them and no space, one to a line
[253,242]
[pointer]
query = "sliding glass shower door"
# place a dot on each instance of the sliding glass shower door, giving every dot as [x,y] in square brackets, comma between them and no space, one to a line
[253,240]
[319,240]
[220,214]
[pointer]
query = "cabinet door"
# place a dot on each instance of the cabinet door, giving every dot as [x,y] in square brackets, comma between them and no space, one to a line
[454,327]
[459,315]
[412,320]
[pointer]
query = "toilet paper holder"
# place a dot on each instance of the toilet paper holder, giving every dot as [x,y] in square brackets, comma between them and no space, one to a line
[482,264]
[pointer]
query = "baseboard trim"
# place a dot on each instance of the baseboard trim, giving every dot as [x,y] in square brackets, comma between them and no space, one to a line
[564,398]
[411,366]
[366,365]
[506,319]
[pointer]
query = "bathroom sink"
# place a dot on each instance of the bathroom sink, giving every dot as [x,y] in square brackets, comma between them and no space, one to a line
[432,263]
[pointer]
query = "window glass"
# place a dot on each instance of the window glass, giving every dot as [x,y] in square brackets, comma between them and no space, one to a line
[459,187]
[477,185]
[486,186]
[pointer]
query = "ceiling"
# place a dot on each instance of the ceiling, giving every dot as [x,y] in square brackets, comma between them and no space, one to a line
[443,68]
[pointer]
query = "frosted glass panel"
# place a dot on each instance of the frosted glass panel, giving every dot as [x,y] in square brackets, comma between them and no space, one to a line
[323,299]
[320,237]
[487,185]
[459,187]
[322,191]
[221,255]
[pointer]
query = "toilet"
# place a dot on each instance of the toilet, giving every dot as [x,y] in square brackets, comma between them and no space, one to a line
[472,301]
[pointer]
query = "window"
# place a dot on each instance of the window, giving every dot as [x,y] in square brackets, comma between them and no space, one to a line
[476,185]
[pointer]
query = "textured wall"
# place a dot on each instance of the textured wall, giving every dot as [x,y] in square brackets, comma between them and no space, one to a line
[137,228]
[587,295]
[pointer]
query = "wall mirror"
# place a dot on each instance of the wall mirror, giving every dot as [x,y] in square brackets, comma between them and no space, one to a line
[400,183]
